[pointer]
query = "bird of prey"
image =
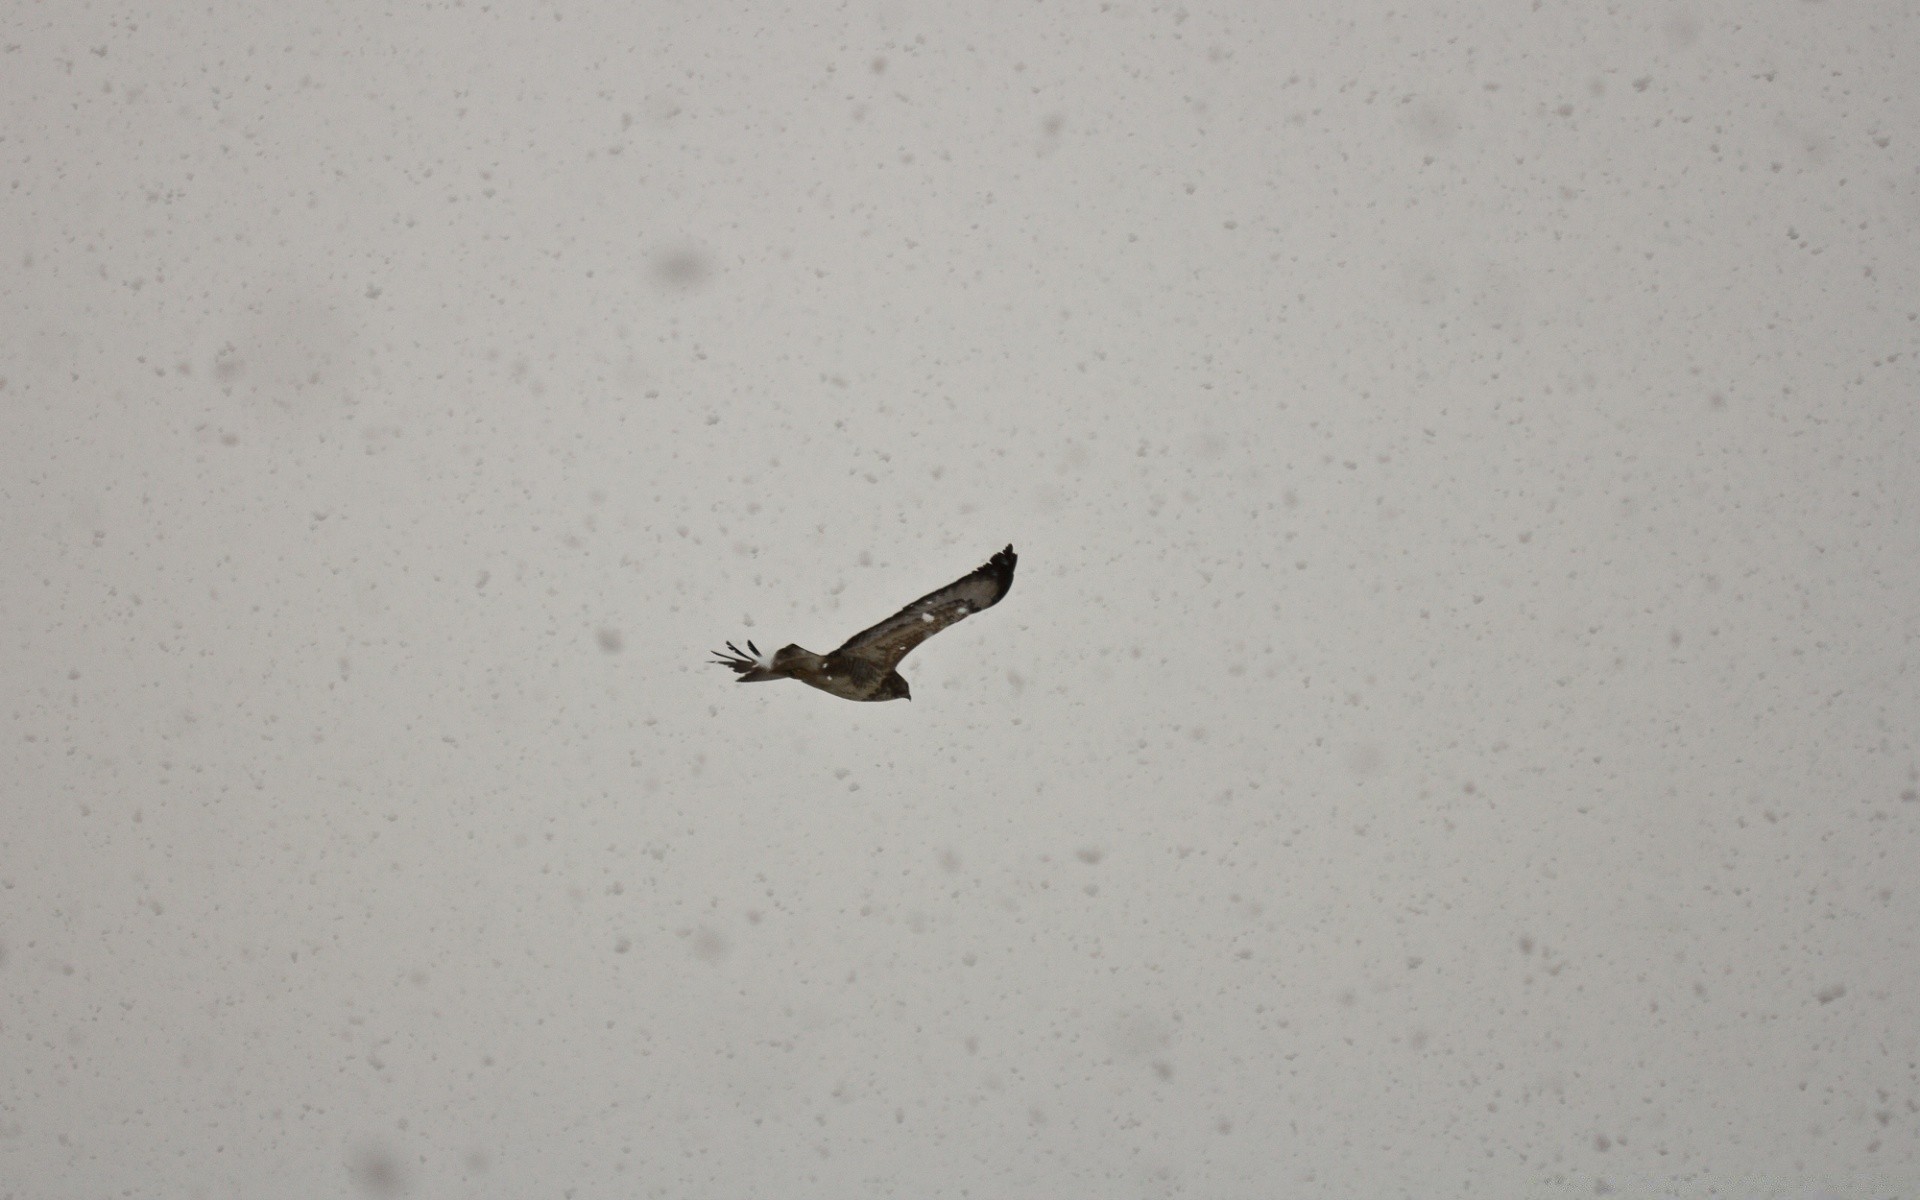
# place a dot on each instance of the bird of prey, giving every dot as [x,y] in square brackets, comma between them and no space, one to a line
[863,668]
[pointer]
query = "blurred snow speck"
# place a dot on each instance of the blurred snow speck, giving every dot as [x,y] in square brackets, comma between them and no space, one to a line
[710,945]
[682,267]
[377,1171]
[610,640]
[1366,759]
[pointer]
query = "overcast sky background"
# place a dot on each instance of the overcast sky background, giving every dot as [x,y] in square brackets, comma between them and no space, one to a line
[1453,731]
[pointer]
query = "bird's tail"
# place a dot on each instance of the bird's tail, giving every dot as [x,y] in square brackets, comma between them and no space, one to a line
[756,667]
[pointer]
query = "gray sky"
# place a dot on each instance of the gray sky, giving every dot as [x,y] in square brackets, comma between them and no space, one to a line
[1452,733]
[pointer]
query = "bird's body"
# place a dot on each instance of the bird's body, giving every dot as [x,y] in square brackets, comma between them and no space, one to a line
[863,668]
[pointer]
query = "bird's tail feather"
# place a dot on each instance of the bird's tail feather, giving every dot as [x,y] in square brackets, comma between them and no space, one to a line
[754,666]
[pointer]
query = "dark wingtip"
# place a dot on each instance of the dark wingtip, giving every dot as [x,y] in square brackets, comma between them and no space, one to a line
[1002,565]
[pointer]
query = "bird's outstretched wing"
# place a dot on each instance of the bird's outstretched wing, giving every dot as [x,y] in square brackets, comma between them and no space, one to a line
[887,643]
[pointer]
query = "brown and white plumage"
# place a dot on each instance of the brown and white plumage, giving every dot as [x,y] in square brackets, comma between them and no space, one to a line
[863,667]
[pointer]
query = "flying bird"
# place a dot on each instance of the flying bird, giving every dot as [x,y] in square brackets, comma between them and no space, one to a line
[863,668]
